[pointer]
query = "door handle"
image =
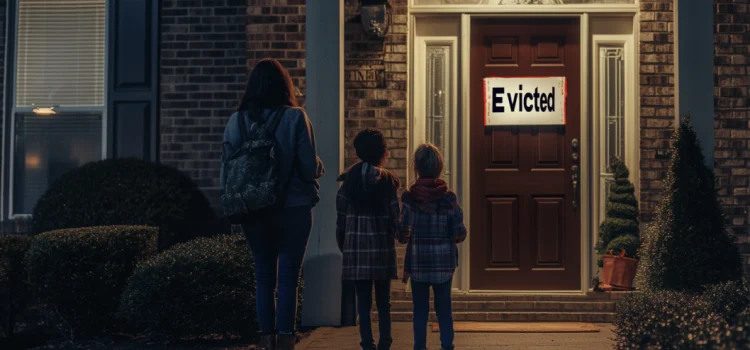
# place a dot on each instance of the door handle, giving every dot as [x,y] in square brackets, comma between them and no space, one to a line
[575,169]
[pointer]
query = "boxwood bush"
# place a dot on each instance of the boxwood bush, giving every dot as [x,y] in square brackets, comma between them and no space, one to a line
[718,318]
[202,287]
[13,291]
[80,273]
[128,192]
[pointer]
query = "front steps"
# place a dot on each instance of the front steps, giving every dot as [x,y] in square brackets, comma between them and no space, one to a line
[593,307]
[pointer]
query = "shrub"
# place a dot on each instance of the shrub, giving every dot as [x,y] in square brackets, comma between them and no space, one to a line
[619,230]
[728,299]
[13,289]
[128,192]
[666,320]
[688,246]
[205,286]
[81,273]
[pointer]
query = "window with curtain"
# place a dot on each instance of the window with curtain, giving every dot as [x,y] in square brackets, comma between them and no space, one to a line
[611,115]
[520,2]
[59,93]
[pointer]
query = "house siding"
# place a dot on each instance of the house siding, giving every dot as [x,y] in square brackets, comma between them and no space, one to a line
[732,116]
[203,73]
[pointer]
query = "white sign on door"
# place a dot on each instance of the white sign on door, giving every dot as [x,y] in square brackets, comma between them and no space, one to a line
[524,101]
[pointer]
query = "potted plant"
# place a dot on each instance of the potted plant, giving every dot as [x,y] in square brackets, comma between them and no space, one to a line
[619,234]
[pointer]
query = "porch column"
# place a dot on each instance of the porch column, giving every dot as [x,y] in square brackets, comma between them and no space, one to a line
[325,106]
[694,56]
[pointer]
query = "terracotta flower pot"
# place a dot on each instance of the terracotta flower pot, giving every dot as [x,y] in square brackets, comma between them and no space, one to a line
[618,272]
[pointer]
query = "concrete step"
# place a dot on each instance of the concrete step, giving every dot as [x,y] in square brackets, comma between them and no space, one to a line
[513,305]
[404,295]
[502,316]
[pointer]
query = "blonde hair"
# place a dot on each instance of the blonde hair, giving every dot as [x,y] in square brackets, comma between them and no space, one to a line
[428,161]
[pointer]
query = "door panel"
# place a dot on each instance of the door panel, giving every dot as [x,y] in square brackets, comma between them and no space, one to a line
[528,235]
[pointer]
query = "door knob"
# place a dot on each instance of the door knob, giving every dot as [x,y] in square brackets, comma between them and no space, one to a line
[574,143]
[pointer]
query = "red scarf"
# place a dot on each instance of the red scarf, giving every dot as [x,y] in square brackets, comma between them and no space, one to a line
[428,190]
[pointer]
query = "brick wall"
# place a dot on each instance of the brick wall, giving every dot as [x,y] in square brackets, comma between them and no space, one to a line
[656,97]
[375,83]
[732,118]
[276,29]
[203,73]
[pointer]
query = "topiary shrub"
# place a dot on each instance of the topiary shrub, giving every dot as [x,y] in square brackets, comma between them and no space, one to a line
[128,192]
[13,291]
[80,273]
[619,230]
[202,287]
[728,299]
[688,246]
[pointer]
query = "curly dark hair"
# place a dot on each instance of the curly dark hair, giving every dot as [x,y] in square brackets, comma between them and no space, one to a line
[370,146]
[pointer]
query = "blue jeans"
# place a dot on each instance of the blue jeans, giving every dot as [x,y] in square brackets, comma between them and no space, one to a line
[364,306]
[420,292]
[278,243]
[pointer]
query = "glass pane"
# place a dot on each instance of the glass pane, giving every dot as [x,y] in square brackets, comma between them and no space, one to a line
[604,196]
[60,57]
[613,104]
[45,147]
[438,118]
[520,2]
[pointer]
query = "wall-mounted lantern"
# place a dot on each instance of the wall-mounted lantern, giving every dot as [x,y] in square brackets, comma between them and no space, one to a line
[375,17]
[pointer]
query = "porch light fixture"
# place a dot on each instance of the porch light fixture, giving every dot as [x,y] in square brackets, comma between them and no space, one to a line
[375,17]
[45,110]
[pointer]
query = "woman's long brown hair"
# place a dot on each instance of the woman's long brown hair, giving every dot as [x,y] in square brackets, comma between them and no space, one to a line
[269,86]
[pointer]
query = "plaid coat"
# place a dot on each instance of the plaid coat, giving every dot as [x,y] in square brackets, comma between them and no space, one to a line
[432,231]
[368,240]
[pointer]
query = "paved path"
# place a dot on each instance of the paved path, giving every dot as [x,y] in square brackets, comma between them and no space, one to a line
[347,338]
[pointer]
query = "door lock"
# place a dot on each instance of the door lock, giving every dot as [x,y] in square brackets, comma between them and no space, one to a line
[574,143]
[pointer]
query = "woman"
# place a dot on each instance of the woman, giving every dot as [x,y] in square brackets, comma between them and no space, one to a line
[278,240]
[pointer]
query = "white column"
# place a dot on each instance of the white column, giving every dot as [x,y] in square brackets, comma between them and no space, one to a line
[325,106]
[694,73]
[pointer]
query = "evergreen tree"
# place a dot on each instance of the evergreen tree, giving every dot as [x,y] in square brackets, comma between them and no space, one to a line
[688,247]
[619,230]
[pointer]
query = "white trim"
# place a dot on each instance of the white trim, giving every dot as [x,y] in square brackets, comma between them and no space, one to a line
[465,194]
[525,9]
[632,147]
[585,162]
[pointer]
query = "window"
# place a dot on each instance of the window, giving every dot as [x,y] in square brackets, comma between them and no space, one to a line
[438,116]
[520,2]
[59,100]
[611,115]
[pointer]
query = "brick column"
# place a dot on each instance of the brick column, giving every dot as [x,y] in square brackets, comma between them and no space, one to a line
[732,124]
[657,115]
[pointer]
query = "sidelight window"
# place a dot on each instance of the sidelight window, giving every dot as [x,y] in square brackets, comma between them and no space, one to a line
[58,94]
[611,114]
[437,94]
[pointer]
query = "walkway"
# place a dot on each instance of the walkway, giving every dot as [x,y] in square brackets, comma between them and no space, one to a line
[348,339]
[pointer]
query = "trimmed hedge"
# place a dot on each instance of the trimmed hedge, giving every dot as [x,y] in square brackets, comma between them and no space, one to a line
[80,273]
[716,319]
[202,287]
[128,192]
[13,291]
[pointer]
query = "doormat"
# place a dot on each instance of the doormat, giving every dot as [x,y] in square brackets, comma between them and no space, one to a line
[521,327]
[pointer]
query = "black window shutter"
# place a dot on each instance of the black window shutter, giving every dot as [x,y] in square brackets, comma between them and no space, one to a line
[133,79]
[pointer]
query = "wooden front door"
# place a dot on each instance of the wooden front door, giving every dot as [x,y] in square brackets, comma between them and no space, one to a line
[525,219]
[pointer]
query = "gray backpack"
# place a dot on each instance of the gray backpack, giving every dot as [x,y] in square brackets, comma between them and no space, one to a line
[251,183]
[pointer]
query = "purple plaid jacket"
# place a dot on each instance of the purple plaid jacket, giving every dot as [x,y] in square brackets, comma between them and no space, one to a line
[367,241]
[432,231]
